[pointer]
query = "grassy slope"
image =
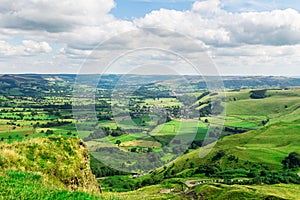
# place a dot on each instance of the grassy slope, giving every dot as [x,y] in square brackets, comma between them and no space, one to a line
[62,162]
[268,145]
[24,185]
[238,192]
[216,192]
[48,168]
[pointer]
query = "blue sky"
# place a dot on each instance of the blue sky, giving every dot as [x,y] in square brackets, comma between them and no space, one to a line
[139,8]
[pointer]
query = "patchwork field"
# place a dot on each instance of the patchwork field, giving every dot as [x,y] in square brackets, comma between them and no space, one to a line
[253,155]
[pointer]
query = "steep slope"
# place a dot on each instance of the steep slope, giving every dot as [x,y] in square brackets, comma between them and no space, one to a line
[61,162]
[263,148]
[25,185]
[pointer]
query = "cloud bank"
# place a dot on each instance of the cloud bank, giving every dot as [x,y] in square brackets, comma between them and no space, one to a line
[244,42]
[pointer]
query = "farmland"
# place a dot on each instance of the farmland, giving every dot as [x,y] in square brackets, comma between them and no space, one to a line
[261,128]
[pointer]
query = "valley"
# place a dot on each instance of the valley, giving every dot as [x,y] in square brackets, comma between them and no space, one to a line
[163,140]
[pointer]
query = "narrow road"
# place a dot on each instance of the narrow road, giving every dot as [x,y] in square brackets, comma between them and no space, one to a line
[190,184]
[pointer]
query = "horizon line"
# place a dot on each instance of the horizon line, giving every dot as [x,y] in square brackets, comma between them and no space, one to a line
[232,75]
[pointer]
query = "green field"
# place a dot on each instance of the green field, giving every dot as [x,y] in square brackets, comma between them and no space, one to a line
[40,149]
[23,185]
[268,146]
[162,102]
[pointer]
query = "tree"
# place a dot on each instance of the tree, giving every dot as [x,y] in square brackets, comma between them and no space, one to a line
[292,161]
[219,155]
[253,173]
[258,94]
[118,142]
[168,118]
[49,132]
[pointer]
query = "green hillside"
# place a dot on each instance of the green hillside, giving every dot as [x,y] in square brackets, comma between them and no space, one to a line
[267,146]
[55,165]
[215,191]
[242,162]
[237,192]
[25,185]
[41,157]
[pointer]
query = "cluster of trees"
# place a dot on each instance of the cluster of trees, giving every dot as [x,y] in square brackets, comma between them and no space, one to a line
[152,91]
[220,154]
[292,161]
[204,94]
[242,176]
[102,116]
[13,124]
[142,115]
[49,132]
[206,110]
[101,170]
[52,124]
[273,177]
[264,122]
[235,130]
[257,175]
[217,174]
[19,115]
[258,94]
[120,184]
[104,132]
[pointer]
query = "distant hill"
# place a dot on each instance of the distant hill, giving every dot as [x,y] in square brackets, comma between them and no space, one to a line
[42,84]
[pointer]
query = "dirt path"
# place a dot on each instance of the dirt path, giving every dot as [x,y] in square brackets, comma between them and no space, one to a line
[165,191]
[190,185]
[101,178]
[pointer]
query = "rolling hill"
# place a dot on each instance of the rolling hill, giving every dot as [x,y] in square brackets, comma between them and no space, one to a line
[266,146]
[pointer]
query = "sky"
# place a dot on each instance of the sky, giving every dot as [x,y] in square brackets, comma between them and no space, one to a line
[255,37]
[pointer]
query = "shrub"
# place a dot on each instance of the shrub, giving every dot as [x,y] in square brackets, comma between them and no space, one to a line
[219,155]
[292,161]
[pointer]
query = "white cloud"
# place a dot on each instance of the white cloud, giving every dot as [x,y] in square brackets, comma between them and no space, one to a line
[207,8]
[278,27]
[54,15]
[28,48]
[233,38]
[36,47]
[77,25]
[209,23]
